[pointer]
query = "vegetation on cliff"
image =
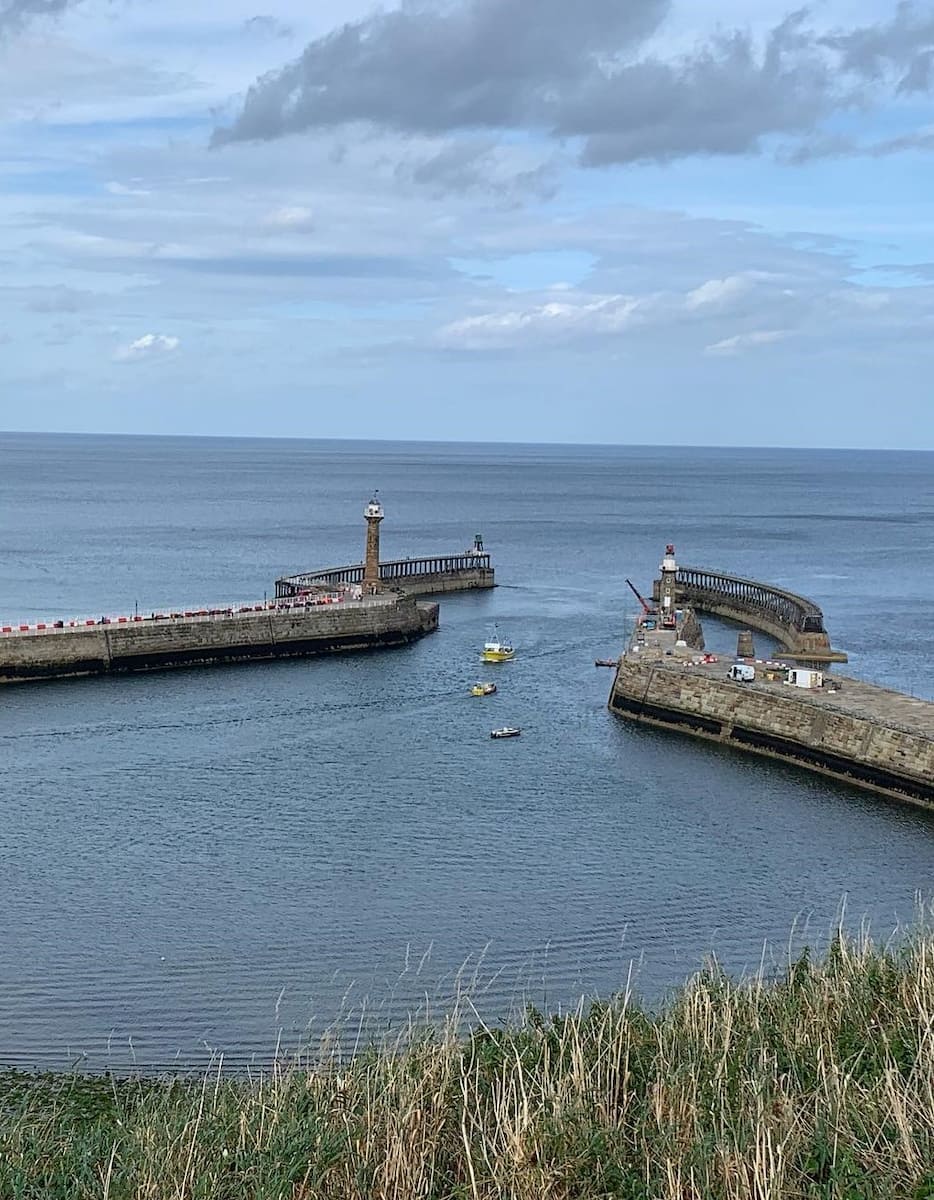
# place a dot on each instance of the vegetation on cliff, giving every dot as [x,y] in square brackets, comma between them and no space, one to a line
[817,1084]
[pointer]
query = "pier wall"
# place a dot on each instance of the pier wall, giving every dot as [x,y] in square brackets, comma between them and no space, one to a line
[799,645]
[444,582]
[794,621]
[784,634]
[783,725]
[155,645]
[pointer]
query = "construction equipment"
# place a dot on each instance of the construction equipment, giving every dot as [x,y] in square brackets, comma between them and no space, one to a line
[649,612]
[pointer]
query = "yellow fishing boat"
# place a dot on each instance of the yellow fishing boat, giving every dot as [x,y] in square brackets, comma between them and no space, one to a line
[483,689]
[495,650]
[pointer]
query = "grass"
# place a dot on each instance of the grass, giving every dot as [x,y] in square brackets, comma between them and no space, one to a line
[817,1084]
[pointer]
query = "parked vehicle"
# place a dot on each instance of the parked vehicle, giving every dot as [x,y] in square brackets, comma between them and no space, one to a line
[742,673]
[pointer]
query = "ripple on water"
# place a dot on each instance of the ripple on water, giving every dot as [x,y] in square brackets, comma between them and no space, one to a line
[227,861]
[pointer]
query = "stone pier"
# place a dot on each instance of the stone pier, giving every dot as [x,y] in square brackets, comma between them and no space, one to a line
[845,728]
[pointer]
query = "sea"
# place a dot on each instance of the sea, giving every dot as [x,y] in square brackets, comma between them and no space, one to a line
[232,865]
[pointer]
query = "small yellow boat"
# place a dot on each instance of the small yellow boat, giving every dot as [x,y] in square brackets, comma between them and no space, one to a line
[483,689]
[496,651]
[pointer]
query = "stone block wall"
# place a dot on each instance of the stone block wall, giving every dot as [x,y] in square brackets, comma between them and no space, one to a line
[150,645]
[781,724]
[446,582]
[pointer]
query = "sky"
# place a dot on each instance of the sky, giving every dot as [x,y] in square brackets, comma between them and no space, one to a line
[599,221]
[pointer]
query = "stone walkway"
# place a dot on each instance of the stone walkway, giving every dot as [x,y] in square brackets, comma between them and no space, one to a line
[841,693]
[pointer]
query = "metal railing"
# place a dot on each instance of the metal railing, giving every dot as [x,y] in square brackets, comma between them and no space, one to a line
[796,612]
[397,569]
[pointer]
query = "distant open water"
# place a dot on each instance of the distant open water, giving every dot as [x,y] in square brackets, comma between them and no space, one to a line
[223,861]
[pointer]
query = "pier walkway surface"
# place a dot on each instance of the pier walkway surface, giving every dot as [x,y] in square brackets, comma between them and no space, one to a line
[855,697]
[191,616]
[840,693]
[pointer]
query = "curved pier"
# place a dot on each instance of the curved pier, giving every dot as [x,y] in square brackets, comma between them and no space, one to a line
[794,621]
[416,576]
[851,730]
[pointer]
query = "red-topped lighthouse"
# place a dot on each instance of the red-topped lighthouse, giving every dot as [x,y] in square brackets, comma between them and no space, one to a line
[667,592]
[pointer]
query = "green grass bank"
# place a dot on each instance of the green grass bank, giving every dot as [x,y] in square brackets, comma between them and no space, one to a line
[816,1084]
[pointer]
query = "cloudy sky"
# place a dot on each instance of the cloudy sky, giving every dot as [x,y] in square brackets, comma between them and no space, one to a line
[534,220]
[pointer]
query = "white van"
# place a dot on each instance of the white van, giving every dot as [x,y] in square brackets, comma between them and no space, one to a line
[742,673]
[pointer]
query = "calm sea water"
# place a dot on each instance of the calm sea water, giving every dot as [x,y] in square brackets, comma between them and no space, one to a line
[224,861]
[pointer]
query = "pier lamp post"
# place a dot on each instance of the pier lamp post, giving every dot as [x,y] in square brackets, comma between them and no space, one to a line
[374,514]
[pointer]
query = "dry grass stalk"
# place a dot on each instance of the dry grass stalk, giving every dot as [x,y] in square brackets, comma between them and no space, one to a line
[819,1084]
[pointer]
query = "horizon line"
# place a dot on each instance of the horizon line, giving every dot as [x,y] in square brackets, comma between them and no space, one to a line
[265,437]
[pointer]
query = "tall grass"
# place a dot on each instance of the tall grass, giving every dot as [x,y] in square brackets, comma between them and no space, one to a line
[817,1084]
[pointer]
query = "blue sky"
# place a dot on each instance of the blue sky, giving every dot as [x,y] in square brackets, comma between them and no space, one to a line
[519,220]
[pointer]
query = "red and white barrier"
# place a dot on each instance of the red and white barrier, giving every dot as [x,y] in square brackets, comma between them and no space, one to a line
[284,605]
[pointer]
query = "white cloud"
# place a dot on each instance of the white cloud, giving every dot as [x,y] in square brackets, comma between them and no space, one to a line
[732,346]
[549,322]
[717,292]
[696,316]
[291,218]
[122,189]
[576,318]
[150,345]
